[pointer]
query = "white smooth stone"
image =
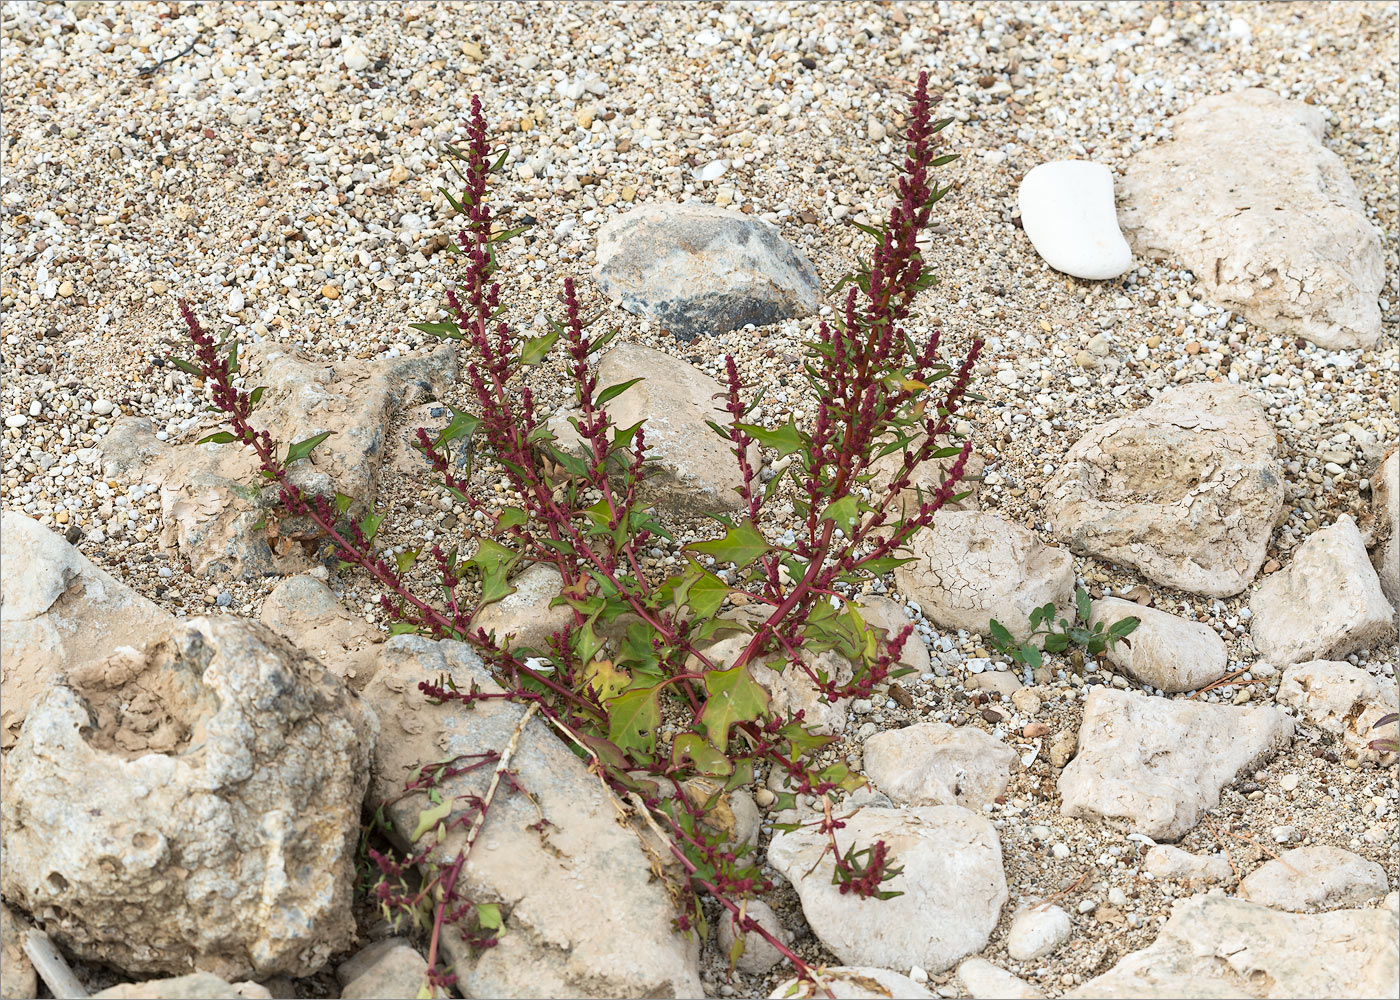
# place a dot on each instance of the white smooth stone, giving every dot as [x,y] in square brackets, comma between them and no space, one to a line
[1067,211]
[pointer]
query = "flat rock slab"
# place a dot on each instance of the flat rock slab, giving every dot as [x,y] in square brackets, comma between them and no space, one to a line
[1327,603]
[1343,700]
[953,887]
[1215,946]
[698,269]
[932,763]
[584,917]
[1165,650]
[1158,764]
[1185,490]
[1246,195]
[1315,878]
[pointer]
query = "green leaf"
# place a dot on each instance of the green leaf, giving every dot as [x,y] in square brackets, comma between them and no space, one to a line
[256,395]
[707,759]
[786,439]
[370,523]
[741,545]
[732,696]
[632,720]
[401,628]
[405,560]
[883,565]
[1030,656]
[303,448]
[1124,627]
[533,351]
[701,591]
[431,817]
[511,517]
[488,916]
[343,503]
[450,330]
[495,562]
[613,391]
[1000,635]
[218,437]
[186,367]
[1081,604]
[1056,643]
[844,513]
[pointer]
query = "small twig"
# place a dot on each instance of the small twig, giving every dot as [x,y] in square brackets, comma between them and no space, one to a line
[1223,846]
[1222,681]
[187,50]
[52,966]
[1063,892]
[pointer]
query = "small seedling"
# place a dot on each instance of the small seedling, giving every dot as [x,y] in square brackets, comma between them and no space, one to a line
[1095,641]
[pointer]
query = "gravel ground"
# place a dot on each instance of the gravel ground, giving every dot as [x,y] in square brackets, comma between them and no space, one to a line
[283,175]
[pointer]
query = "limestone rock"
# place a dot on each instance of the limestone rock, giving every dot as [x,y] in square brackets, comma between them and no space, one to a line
[952,881]
[1327,603]
[196,986]
[1159,764]
[1067,213]
[1267,218]
[17,978]
[699,269]
[621,944]
[691,469]
[1168,862]
[926,479]
[1166,651]
[1385,548]
[222,834]
[789,688]
[1343,700]
[213,511]
[933,764]
[884,613]
[985,981]
[526,614]
[1037,932]
[386,970]
[759,956]
[1314,878]
[970,567]
[1215,946]
[304,611]
[57,611]
[1185,490]
[853,983]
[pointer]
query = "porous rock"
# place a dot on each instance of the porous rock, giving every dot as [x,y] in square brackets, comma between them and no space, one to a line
[1166,651]
[214,513]
[305,612]
[970,567]
[1156,764]
[223,831]
[1185,490]
[698,269]
[57,611]
[196,986]
[1067,213]
[583,915]
[391,969]
[1325,604]
[1246,195]
[932,763]
[952,883]
[1343,700]
[883,613]
[1315,878]
[1215,946]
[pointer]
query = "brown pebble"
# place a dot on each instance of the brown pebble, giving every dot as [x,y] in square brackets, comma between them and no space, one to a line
[1194,347]
[902,697]
[330,292]
[1034,729]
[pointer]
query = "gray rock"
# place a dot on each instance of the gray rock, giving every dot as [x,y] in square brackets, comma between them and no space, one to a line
[698,269]
[1315,878]
[222,834]
[1037,932]
[1343,700]
[1327,603]
[970,567]
[197,986]
[1166,651]
[305,612]
[1158,764]
[985,981]
[1168,862]
[758,956]
[57,611]
[847,982]
[622,944]
[1246,195]
[1214,946]
[953,886]
[932,764]
[212,509]
[1385,545]
[1185,490]
[386,970]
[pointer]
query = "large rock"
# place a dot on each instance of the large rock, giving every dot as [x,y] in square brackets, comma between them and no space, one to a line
[985,981]
[691,469]
[526,614]
[1214,946]
[1067,213]
[1166,651]
[196,986]
[1327,603]
[1185,490]
[698,269]
[953,886]
[758,955]
[57,611]
[852,983]
[1315,878]
[934,764]
[790,689]
[1343,700]
[1037,932]
[1159,764]
[195,805]
[622,943]
[304,611]
[212,509]
[1385,544]
[1168,862]
[1247,196]
[970,567]
[386,970]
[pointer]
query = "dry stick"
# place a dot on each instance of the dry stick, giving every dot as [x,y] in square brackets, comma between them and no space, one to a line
[1221,682]
[52,966]
[1063,892]
[475,829]
[1223,846]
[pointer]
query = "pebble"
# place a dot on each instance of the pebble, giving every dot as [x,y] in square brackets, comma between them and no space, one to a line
[102,407]
[1068,215]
